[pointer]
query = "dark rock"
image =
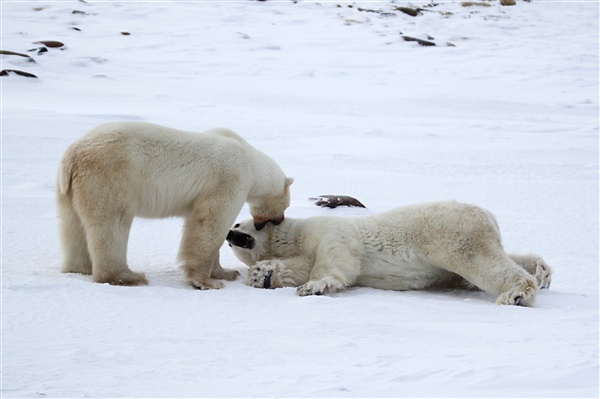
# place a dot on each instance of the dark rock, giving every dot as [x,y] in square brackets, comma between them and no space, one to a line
[420,41]
[368,10]
[40,50]
[475,3]
[7,72]
[7,52]
[413,12]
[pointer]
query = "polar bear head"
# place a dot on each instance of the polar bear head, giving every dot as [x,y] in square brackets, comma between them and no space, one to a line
[249,244]
[271,207]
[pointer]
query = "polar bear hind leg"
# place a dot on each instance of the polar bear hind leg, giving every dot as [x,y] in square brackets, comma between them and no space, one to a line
[499,275]
[536,266]
[107,242]
[76,258]
[94,222]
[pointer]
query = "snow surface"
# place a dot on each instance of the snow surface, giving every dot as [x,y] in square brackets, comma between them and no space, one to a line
[507,118]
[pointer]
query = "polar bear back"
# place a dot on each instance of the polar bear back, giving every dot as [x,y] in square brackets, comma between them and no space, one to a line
[160,170]
[424,228]
[407,232]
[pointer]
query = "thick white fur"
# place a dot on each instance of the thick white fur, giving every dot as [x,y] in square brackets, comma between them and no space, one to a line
[445,244]
[121,170]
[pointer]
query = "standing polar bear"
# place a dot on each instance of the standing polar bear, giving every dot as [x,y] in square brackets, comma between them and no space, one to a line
[443,245]
[125,169]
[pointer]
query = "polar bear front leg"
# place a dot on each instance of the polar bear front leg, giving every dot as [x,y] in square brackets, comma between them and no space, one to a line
[107,237]
[336,267]
[536,266]
[498,274]
[204,231]
[270,273]
[198,252]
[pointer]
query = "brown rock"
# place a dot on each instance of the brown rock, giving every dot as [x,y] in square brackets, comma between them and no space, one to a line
[333,201]
[50,43]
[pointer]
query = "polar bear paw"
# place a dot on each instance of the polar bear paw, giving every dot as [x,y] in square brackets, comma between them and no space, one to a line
[207,284]
[320,287]
[269,274]
[121,277]
[542,273]
[522,294]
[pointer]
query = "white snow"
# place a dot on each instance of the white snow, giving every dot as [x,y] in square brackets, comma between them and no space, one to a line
[506,119]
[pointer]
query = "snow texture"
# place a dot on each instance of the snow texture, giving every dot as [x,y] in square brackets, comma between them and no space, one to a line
[506,117]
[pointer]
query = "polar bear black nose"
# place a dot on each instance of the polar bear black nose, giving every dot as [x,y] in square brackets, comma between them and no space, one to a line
[239,239]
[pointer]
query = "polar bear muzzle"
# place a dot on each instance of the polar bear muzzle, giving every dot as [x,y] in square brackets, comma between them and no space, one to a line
[260,223]
[239,239]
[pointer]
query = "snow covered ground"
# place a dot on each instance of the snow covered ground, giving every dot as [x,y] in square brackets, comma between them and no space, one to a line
[506,117]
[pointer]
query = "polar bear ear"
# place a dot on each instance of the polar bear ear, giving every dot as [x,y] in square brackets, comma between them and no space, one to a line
[288,181]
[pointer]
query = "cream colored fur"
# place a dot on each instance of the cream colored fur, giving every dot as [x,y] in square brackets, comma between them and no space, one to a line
[445,244]
[121,170]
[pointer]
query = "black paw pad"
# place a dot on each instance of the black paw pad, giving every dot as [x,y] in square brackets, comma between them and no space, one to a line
[518,300]
[267,281]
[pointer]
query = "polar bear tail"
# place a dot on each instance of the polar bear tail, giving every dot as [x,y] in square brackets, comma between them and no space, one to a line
[65,176]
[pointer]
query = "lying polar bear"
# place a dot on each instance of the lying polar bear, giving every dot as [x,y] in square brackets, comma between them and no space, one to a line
[444,244]
[125,169]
